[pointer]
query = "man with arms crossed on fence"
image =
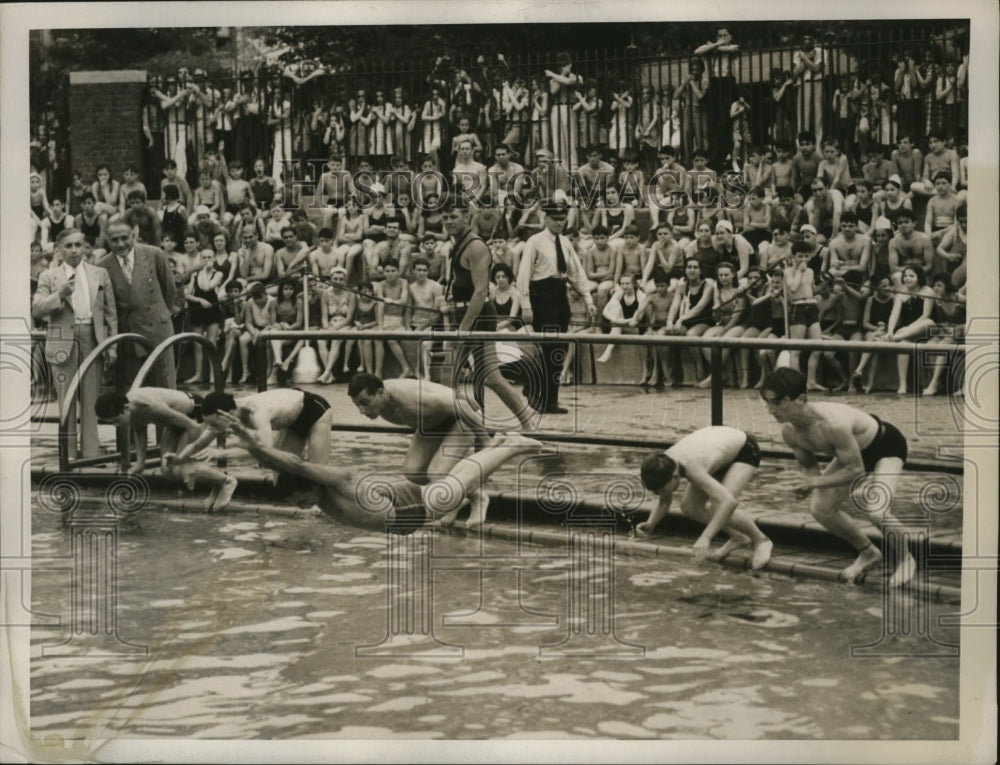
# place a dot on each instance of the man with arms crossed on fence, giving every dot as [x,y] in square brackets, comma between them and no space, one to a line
[717,462]
[861,445]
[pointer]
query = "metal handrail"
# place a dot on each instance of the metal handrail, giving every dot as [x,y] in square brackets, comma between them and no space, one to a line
[757,343]
[715,344]
[65,463]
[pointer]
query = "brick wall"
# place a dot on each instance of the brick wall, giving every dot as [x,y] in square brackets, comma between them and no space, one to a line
[105,110]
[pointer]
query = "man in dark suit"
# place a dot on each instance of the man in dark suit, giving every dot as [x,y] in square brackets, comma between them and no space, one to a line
[144,291]
[547,262]
[77,301]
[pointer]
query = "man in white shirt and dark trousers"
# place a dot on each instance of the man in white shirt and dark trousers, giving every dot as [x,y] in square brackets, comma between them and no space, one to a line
[547,262]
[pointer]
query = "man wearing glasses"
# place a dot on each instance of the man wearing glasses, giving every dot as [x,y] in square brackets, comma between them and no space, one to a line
[143,284]
[860,445]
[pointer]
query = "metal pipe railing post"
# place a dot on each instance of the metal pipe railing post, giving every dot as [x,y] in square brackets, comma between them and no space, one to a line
[716,366]
[260,362]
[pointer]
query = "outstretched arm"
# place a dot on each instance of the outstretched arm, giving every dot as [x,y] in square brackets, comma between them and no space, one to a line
[658,514]
[282,460]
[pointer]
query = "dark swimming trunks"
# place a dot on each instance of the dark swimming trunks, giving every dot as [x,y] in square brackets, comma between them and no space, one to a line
[313,407]
[750,453]
[408,512]
[805,314]
[196,411]
[888,442]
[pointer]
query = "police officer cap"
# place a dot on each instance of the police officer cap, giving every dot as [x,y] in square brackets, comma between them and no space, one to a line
[554,207]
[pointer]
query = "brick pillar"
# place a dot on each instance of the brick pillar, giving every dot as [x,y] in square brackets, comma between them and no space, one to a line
[105,111]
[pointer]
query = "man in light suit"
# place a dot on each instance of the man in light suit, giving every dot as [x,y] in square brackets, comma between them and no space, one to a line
[144,291]
[78,302]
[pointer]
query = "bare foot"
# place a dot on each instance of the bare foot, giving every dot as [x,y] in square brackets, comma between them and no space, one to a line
[733,543]
[866,559]
[243,380]
[930,390]
[225,493]
[817,387]
[904,572]
[604,358]
[478,503]
[706,383]
[446,521]
[516,441]
[210,500]
[901,391]
[193,380]
[761,555]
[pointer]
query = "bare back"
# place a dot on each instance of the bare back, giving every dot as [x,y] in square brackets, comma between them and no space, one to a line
[419,404]
[278,407]
[711,448]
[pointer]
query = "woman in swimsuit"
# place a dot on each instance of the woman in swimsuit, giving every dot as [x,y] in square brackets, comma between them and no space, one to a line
[616,217]
[623,312]
[691,313]
[225,262]
[756,319]
[288,315]
[878,309]
[911,316]
[506,300]
[106,191]
[727,311]
[949,317]
[205,317]
[364,319]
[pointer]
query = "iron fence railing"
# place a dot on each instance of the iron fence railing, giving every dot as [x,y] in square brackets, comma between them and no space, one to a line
[873,86]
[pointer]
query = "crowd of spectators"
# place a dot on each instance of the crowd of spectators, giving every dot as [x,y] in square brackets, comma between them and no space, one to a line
[688,218]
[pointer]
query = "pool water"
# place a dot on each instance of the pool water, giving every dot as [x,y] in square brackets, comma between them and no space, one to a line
[252,625]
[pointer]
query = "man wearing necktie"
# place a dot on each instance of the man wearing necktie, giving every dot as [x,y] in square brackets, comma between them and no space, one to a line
[78,302]
[143,284]
[547,262]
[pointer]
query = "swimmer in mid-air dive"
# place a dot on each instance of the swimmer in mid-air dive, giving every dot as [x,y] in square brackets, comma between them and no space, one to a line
[860,445]
[400,503]
[176,413]
[717,462]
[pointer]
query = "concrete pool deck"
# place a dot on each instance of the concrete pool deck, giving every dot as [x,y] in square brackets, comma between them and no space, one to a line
[803,547]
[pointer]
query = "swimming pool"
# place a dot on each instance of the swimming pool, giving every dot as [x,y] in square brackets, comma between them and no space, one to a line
[252,625]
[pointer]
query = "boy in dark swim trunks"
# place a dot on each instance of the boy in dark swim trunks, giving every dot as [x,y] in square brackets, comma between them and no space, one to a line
[404,504]
[860,444]
[178,414]
[294,421]
[718,462]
